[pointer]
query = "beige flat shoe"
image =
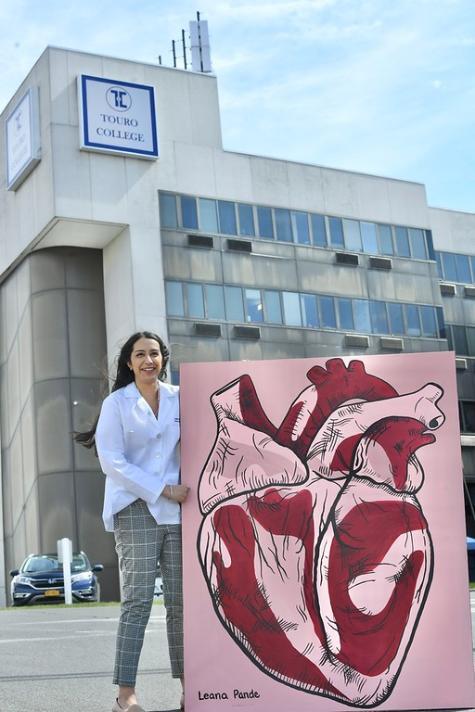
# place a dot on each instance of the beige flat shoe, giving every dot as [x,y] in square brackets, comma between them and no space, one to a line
[131,708]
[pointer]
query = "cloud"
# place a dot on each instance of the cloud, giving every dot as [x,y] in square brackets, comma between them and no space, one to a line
[367,105]
[265,11]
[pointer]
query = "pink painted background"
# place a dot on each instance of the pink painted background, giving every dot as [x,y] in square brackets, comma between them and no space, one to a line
[438,670]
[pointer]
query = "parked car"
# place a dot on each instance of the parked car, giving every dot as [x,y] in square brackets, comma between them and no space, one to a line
[40,579]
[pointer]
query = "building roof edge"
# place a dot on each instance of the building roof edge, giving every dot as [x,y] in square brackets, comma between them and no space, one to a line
[326,168]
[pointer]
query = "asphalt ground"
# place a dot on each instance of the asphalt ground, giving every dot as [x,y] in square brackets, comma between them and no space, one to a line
[56,659]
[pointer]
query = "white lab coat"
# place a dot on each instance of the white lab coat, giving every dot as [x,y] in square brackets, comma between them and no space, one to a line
[139,453]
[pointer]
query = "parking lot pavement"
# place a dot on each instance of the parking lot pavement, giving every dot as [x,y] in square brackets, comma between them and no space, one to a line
[57,659]
[51,656]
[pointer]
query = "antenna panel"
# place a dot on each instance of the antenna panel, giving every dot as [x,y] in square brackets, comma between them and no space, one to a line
[200,50]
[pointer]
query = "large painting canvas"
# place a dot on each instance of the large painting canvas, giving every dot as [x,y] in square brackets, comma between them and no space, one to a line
[324,538]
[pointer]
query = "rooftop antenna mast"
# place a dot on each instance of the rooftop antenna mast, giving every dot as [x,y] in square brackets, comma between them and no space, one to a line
[174,51]
[185,64]
[199,46]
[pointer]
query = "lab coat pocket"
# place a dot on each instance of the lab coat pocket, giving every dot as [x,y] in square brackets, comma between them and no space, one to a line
[173,431]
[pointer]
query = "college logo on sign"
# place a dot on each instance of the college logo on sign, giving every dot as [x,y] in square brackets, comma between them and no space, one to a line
[117,117]
[119,99]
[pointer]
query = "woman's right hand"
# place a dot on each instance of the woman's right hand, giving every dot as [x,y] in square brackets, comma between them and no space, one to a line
[177,493]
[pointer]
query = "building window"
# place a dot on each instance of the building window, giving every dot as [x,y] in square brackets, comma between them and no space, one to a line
[174,295]
[402,242]
[292,316]
[441,328]
[396,319]
[429,326]
[214,301]
[208,216]
[345,314]
[385,240]
[254,310]
[336,232]
[308,303]
[470,334]
[351,230]
[195,304]
[361,315]
[327,312]
[227,217]
[467,412]
[379,319]
[300,227]
[413,327]
[283,227]
[272,307]
[449,266]
[418,243]
[462,266]
[264,219]
[369,237]
[234,304]
[168,217]
[440,270]
[459,340]
[430,244]
[189,214]
[450,340]
[246,220]
[318,230]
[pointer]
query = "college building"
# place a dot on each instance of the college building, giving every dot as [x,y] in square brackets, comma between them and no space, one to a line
[120,210]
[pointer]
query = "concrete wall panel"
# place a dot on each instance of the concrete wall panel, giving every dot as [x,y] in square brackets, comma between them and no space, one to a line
[28,440]
[53,426]
[50,346]
[86,330]
[47,270]
[15,468]
[58,512]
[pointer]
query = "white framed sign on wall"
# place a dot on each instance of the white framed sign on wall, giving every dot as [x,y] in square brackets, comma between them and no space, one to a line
[23,146]
[117,117]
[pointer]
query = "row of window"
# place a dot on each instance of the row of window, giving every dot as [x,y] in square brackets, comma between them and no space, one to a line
[455,267]
[229,218]
[461,339]
[314,311]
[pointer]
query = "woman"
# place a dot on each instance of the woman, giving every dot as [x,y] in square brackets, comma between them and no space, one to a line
[137,442]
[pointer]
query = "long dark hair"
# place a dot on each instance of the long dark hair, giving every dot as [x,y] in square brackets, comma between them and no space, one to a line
[124,376]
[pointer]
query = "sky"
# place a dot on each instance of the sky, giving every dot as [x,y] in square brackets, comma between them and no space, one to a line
[385,87]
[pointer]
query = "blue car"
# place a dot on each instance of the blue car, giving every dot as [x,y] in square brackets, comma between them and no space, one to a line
[40,579]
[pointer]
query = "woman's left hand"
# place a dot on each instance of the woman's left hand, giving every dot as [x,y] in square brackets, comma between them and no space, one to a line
[177,493]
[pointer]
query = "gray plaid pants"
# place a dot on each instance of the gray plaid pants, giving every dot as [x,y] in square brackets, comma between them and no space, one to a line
[140,543]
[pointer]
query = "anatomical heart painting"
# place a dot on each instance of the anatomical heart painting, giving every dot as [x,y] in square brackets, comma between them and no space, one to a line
[324,538]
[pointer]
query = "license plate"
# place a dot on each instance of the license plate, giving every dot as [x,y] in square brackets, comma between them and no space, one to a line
[52,592]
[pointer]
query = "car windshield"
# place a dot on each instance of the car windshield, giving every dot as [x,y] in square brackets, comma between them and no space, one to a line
[49,562]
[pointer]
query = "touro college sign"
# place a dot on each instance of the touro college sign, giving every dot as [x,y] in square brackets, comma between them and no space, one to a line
[22,128]
[117,117]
